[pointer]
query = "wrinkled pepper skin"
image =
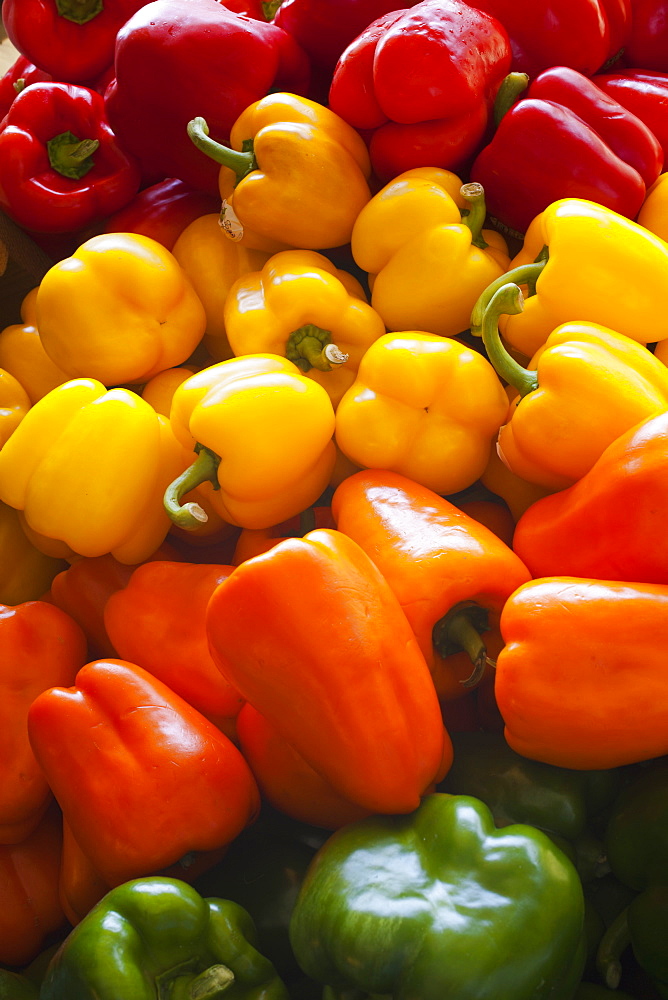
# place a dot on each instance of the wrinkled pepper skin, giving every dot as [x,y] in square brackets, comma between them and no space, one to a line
[133,308]
[153,934]
[586,530]
[565,700]
[349,688]
[142,778]
[397,905]
[437,560]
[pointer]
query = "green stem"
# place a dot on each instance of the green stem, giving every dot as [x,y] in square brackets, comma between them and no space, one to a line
[79,11]
[204,469]
[71,156]
[474,218]
[269,8]
[311,347]
[460,629]
[614,942]
[507,300]
[19,85]
[241,163]
[511,88]
[525,274]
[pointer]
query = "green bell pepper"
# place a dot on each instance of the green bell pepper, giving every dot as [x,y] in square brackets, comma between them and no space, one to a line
[644,926]
[158,939]
[14,986]
[439,903]
[636,838]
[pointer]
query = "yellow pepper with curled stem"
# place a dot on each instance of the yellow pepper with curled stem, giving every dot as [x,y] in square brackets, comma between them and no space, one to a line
[304,308]
[262,432]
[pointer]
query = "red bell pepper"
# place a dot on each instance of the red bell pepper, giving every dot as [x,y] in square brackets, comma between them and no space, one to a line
[61,168]
[582,34]
[19,75]
[73,40]
[438,116]
[175,61]
[647,43]
[644,93]
[162,211]
[567,138]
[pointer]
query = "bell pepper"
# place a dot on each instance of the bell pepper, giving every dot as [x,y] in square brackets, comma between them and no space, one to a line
[513,490]
[295,173]
[15,986]
[642,92]
[654,212]
[162,211]
[243,418]
[213,264]
[422,242]
[134,310]
[646,41]
[61,168]
[27,572]
[349,689]
[425,406]
[397,905]
[80,886]
[301,307]
[586,530]
[40,646]
[20,74]
[73,40]
[209,61]
[574,256]
[22,353]
[450,574]
[566,138]
[253,542]
[493,513]
[583,388]
[115,504]
[142,778]
[577,653]
[31,911]
[157,620]
[286,780]
[458,57]
[14,404]
[157,934]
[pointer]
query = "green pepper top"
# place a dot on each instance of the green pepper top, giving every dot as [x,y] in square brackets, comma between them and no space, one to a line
[439,904]
[158,939]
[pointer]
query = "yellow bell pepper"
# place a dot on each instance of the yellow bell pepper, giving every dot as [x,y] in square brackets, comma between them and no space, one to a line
[213,263]
[517,493]
[653,214]
[262,432]
[89,467]
[14,404]
[296,174]
[425,406]
[584,387]
[302,307]
[583,262]
[22,353]
[26,572]
[119,310]
[427,262]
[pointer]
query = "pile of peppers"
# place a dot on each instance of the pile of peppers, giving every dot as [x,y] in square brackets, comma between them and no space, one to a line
[332,665]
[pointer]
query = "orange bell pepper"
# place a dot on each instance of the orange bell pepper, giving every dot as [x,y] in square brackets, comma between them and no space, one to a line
[450,573]
[157,620]
[312,636]
[40,646]
[579,682]
[142,777]
[253,541]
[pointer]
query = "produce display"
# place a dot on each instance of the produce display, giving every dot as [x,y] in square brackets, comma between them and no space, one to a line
[333,488]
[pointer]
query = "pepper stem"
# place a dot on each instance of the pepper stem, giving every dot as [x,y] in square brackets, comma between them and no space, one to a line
[460,629]
[476,213]
[508,299]
[240,162]
[311,347]
[203,470]
[71,156]
[525,274]
[511,87]
[616,940]
[211,984]
[79,11]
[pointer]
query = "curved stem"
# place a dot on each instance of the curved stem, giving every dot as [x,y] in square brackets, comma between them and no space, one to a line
[511,87]
[70,156]
[311,347]
[525,274]
[474,218]
[460,629]
[240,162]
[616,940]
[507,300]
[204,469]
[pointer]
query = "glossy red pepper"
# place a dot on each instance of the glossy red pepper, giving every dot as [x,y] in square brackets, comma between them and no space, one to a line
[162,211]
[647,44]
[644,93]
[210,62]
[567,138]
[71,39]
[61,168]
[21,73]
[438,117]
